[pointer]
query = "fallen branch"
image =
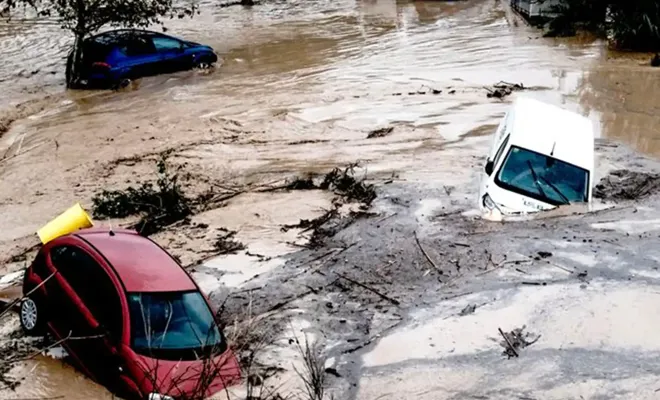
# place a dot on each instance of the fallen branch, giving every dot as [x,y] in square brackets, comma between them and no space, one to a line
[454,296]
[508,342]
[391,300]
[13,303]
[386,218]
[426,255]
[559,266]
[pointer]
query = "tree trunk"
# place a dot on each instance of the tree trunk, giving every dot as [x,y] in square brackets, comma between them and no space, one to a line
[73,64]
[75,60]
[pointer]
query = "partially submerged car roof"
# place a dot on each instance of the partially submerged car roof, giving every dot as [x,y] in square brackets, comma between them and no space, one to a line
[140,263]
[551,130]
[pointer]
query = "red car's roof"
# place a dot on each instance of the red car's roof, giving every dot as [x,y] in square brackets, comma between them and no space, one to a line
[141,264]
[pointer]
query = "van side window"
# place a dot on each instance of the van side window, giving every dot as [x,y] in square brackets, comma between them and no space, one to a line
[498,155]
[90,281]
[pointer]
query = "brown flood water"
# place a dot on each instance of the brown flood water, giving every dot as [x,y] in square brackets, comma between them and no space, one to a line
[301,84]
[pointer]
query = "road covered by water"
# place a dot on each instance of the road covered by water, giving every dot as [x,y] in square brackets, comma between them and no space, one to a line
[301,85]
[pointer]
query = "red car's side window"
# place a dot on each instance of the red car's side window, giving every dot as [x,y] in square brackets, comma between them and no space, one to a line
[92,284]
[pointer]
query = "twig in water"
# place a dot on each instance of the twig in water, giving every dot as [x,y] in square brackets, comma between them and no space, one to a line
[318,257]
[386,218]
[391,300]
[36,353]
[501,264]
[426,255]
[508,342]
[559,266]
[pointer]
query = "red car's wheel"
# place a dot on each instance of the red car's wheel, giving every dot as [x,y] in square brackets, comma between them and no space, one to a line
[32,317]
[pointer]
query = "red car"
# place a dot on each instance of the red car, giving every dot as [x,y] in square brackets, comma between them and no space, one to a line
[129,316]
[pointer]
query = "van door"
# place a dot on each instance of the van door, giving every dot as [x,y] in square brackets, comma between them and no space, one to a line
[502,128]
[492,166]
[93,314]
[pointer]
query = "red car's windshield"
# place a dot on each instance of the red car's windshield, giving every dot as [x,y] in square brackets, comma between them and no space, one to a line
[173,325]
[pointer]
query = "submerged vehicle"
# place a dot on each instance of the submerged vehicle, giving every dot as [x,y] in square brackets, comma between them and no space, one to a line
[129,316]
[542,156]
[115,56]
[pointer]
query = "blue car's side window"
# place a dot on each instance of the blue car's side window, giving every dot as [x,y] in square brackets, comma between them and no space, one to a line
[138,47]
[164,44]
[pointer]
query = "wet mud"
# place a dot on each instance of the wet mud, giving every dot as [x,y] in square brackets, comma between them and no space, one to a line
[621,185]
[363,262]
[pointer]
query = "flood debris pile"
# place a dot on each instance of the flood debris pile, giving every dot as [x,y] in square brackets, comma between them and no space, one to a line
[344,183]
[378,133]
[158,205]
[516,340]
[349,189]
[503,89]
[306,183]
[625,185]
[238,3]
[425,89]
[226,244]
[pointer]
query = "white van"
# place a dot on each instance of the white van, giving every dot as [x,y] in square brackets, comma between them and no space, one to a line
[542,157]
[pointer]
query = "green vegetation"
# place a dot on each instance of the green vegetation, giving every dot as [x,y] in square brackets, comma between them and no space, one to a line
[159,206]
[630,24]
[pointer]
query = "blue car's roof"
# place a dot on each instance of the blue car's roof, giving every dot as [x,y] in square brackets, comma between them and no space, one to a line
[110,37]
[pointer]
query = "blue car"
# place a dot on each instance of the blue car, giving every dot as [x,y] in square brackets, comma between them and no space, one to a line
[110,58]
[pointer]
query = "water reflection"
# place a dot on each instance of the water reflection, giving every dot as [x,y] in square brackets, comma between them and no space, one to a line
[627,99]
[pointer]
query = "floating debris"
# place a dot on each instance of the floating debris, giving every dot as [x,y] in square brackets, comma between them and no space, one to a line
[380,132]
[469,309]
[516,340]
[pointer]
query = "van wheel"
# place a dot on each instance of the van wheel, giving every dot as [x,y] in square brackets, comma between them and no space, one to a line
[32,317]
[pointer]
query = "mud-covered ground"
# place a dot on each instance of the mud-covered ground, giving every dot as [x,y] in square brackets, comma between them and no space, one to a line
[304,89]
[570,276]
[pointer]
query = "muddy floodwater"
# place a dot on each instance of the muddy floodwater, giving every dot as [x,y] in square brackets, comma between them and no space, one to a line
[300,87]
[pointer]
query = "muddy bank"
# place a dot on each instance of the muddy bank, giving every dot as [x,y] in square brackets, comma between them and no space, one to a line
[621,185]
[374,286]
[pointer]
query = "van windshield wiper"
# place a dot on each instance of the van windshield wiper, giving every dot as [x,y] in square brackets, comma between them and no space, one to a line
[536,179]
[556,189]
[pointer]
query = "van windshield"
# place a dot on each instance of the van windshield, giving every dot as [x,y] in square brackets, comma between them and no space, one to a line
[175,325]
[543,177]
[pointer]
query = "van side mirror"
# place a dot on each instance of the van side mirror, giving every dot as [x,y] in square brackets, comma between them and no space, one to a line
[489,167]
